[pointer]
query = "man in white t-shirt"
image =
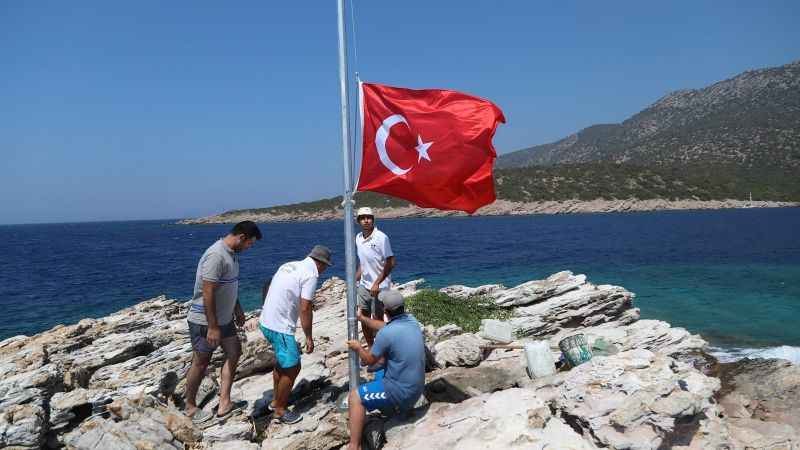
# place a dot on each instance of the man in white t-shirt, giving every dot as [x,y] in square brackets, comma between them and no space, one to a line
[375,263]
[291,295]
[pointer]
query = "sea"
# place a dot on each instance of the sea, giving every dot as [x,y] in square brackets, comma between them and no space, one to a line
[732,276]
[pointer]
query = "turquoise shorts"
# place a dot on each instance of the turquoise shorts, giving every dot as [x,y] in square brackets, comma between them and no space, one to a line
[287,351]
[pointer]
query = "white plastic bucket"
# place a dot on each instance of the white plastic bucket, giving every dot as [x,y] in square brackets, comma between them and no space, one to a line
[539,359]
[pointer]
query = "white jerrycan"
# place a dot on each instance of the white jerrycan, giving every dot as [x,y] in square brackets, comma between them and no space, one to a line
[539,359]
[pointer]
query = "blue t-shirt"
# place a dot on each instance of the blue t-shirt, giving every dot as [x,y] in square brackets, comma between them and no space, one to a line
[401,343]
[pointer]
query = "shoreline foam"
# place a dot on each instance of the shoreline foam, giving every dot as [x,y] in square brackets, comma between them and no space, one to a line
[733,354]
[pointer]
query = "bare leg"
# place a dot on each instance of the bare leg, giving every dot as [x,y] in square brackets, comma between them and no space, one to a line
[233,350]
[275,381]
[284,388]
[193,378]
[369,335]
[358,415]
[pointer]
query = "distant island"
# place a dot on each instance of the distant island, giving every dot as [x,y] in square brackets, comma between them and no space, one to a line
[734,144]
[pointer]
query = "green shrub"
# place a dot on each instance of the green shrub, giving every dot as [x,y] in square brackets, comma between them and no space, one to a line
[435,308]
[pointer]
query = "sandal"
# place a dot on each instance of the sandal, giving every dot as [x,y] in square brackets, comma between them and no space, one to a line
[289,417]
[200,416]
[236,406]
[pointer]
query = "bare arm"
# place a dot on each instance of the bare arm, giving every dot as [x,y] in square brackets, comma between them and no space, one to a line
[209,304]
[306,320]
[358,273]
[387,269]
[238,314]
[369,322]
[363,354]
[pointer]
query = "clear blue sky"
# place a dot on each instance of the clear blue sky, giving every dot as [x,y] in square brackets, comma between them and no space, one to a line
[152,109]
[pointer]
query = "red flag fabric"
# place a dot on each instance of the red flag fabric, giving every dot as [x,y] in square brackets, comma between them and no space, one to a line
[432,147]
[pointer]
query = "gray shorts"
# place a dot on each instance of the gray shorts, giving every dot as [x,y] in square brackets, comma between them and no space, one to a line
[198,333]
[368,303]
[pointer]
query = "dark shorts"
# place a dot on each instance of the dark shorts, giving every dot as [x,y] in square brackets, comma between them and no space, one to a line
[367,302]
[198,334]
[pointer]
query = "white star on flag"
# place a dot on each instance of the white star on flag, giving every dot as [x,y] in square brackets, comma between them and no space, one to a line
[422,149]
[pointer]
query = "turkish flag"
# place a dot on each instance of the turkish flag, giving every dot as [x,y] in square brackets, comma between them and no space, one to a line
[432,147]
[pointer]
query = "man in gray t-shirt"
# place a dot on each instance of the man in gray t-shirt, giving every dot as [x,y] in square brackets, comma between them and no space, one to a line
[214,313]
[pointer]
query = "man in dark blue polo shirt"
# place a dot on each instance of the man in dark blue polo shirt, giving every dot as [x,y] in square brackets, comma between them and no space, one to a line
[400,344]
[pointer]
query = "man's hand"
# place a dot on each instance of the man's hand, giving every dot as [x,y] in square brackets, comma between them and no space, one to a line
[238,317]
[375,289]
[360,315]
[354,344]
[309,345]
[213,336]
[251,325]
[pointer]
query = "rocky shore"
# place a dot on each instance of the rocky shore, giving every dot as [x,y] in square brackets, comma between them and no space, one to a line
[504,208]
[115,383]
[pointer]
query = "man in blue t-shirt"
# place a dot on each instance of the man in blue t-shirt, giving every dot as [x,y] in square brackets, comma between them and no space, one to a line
[400,344]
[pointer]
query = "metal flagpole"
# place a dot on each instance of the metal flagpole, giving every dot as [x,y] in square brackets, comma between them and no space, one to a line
[349,238]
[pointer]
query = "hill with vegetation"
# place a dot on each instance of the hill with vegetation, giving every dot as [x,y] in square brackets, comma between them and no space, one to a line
[585,182]
[750,120]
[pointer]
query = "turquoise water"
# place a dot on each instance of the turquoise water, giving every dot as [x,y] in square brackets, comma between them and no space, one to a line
[733,276]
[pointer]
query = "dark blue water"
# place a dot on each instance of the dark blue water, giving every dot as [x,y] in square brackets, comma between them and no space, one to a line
[733,276]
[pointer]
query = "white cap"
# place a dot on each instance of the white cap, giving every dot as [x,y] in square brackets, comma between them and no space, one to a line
[365,211]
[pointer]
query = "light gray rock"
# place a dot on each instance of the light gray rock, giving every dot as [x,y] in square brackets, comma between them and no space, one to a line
[496,331]
[632,399]
[538,290]
[112,349]
[582,307]
[26,387]
[464,292]
[757,434]
[461,350]
[653,335]
[257,356]
[524,294]
[22,426]
[134,424]
[443,333]
[143,374]
[456,384]
[409,288]
[229,431]
[67,406]
[233,445]
[23,405]
[322,427]
[762,402]
[503,420]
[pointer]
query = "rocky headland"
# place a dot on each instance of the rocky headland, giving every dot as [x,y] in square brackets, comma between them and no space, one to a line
[116,383]
[498,208]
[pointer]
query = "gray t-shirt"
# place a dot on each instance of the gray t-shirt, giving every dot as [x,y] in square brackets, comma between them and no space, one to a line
[219,264]
[400,341]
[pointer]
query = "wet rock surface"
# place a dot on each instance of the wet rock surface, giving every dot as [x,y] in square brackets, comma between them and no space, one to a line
[117,382]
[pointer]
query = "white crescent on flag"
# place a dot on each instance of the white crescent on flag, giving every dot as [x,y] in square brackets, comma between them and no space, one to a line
[382,135]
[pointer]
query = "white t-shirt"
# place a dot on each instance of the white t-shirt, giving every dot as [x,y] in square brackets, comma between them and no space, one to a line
[372,254]
[293,281]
